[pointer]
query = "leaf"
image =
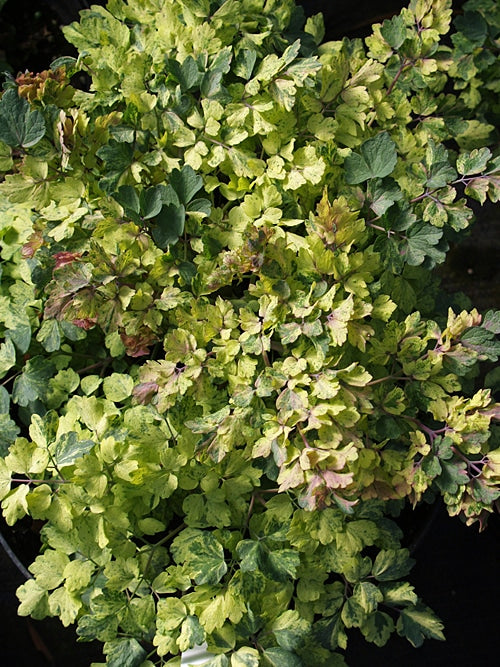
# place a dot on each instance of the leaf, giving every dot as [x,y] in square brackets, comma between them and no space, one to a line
[170,613]
[19,125]
[202,554]
[9,431]
[48,568]
[125,652]
[392,564]
[192,633]
[417,623]
[33,382]
[368,596]
[399,593]
[4,400]
[474,162]
[382,195]
[199,208]
[279,565]
[150,202]
[353,615]
[34,600]
[280,657]
[187,73]
[394,31]
[482,341]
[117,157]
[244,63]
[378,628]
[491,321]
[315,26]
[211,84]
[186,183]
[49,335]
[7,356]
[290,629]
[377,158]
[245,657]
[128,198]
[118,387]
[69,449]
[421,242]
[168,226]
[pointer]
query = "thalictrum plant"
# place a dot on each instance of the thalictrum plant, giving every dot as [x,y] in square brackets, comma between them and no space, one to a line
[227,363]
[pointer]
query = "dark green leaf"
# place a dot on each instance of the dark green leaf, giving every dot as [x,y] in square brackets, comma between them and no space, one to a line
[117,157]
[20,335]
[327,631]
[68,62]
[71,331]
[186,183]
[278,565]
[382,195]
[199,206]
[484,493]
[19,125]
[187,271]
[8,432]
[187,74]
[421,242]
[150,202]
[377,158]
[33,381]
[128,198]
[441,174]
[473,26]
[168,226]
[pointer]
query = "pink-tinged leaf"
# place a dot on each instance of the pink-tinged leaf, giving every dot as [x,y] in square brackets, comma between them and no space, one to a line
[63,258]
[493,412]
[320,489]
[137,346]
[347,506]
[34,242]
[336,480]
[144,392]
[71,278]
[85,323]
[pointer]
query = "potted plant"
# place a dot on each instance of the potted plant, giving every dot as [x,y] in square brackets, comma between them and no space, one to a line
[227,362]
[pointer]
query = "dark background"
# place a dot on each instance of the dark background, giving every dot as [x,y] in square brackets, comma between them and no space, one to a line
[457,569]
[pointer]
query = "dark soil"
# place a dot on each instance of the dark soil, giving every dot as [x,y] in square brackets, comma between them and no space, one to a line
[457,568]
